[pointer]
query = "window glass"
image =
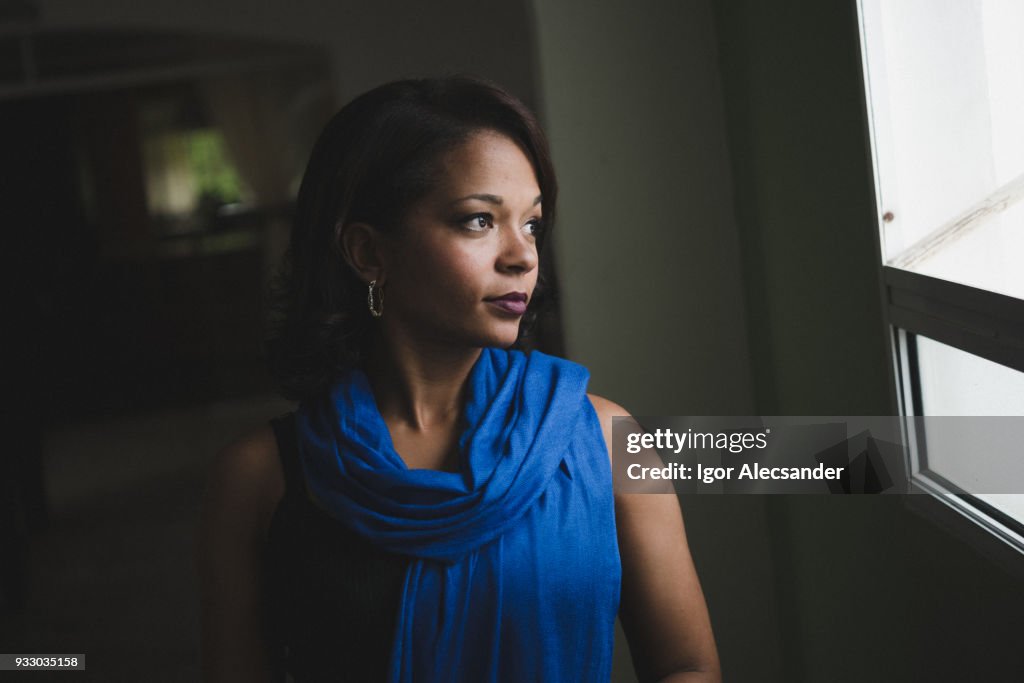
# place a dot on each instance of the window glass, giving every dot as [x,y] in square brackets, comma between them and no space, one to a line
[947,112]
[954,382]
[189,174]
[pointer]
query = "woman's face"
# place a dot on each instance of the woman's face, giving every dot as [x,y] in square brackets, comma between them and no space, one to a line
[463,266]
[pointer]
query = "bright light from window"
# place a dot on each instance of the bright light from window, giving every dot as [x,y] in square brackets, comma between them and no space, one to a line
[954,382]
[947,109]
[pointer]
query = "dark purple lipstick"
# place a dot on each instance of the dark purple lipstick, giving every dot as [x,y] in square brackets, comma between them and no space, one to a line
[513,302]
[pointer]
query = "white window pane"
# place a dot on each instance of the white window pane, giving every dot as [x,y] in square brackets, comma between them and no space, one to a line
[946,97]
[954,382]
[989,256]
[972,454]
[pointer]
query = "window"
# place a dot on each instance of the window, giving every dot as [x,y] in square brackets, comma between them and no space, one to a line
[946,110]
[189,175]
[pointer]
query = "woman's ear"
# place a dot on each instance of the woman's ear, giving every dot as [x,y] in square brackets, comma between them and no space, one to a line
[363,248]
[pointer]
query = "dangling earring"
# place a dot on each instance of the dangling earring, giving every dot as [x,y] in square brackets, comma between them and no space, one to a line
[376,308]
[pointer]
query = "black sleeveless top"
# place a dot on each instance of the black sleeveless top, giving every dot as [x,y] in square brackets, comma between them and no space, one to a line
[332,597]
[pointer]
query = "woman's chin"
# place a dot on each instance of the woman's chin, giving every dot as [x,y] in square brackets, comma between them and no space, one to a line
[500,341]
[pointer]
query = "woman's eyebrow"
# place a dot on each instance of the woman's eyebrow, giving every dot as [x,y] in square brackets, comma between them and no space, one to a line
[490,199]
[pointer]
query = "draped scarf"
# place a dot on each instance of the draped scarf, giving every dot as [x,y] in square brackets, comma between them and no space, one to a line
[514,567]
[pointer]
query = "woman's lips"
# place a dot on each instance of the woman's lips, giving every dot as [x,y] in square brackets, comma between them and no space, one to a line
[510,303]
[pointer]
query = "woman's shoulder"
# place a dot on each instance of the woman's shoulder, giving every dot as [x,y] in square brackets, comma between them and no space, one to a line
[606,411]
[246,480]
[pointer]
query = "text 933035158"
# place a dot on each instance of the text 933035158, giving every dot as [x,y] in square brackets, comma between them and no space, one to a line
[42,662]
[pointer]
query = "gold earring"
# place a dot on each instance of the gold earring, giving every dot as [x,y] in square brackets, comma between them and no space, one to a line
[376,307]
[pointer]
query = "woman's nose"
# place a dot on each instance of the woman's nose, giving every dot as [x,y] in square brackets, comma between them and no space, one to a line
[518,251]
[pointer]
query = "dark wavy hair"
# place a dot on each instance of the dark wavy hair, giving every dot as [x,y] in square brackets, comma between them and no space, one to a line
[375,158]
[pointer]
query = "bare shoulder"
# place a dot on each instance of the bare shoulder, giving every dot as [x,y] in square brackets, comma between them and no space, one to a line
[252,456]
[606,410]
[244,484]
[246,481]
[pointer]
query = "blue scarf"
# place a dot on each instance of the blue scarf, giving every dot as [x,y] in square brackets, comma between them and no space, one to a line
[514,571]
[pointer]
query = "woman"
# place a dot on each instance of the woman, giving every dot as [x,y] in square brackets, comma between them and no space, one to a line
[439,508]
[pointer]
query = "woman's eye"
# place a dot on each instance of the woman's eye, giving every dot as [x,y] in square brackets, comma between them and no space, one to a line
[478,223]
[534,227]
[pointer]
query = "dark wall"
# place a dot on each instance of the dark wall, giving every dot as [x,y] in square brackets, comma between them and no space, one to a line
[42,252]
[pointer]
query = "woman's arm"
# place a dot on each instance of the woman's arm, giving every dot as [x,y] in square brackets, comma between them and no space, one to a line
[662,609]
[245,484]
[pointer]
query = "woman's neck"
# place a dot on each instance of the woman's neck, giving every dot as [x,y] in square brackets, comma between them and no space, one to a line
[420,388]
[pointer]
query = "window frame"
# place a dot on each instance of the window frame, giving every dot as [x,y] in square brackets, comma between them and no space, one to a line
[980,322]
[985,324]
